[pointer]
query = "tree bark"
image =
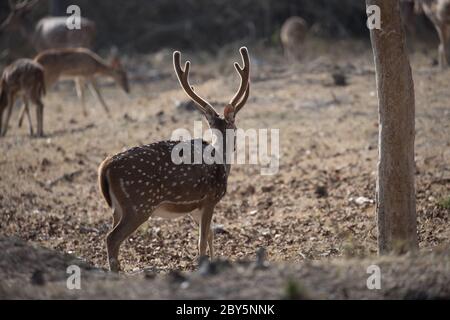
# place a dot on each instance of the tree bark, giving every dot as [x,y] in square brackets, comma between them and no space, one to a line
[396,202]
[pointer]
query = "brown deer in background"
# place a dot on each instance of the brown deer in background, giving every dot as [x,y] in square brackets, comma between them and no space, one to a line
[144,181]
[23,77]
[83,65]
[438,11]
[292,36]
[49,32]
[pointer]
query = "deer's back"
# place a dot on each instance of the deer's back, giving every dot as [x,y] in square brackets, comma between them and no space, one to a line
[147,177]
[52,32]
[69,62]
[22,75]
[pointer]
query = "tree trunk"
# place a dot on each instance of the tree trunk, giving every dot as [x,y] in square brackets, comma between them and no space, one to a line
[396,202]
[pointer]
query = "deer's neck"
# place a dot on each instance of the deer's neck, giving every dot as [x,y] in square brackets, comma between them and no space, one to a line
[223,143]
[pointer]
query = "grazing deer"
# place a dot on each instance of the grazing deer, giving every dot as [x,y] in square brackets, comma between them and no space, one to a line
[144,181]
[26,78]
[83,65]
[438,11]
[293,34]
[49,32]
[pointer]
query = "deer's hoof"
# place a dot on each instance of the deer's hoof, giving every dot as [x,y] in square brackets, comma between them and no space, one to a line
[114,265]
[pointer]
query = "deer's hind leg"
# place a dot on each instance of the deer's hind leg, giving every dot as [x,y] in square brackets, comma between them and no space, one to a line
[11,100]
[125,221]
[93,86]
[129,222]
[39,117]
[30,123]
[25,110]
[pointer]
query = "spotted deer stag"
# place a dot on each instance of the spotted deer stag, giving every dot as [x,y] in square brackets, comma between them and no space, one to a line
[438,11]
[145,181]
[49,32]
[23,78]
[83,66]
[292,35]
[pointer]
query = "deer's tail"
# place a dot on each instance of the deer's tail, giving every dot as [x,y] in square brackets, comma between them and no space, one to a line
[103,183]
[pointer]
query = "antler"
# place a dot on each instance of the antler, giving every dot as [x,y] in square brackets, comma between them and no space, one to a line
[242,94]
[183,77]
[243,101]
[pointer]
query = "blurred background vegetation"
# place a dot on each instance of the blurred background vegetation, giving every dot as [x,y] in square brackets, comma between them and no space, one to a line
[146,26]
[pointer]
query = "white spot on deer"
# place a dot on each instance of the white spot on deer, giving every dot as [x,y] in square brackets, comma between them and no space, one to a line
[122,187]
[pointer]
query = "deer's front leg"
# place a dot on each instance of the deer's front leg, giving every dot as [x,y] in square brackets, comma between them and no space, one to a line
[8,113]
[80,86]
[205,232]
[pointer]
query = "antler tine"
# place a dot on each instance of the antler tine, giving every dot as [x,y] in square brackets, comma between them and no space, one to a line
[244,73]
[243,101]
[183,78]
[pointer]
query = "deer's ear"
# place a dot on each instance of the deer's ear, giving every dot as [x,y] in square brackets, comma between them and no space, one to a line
[228,113]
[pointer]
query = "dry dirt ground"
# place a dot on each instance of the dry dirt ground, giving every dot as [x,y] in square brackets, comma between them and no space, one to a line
[310,212]
[31,272]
